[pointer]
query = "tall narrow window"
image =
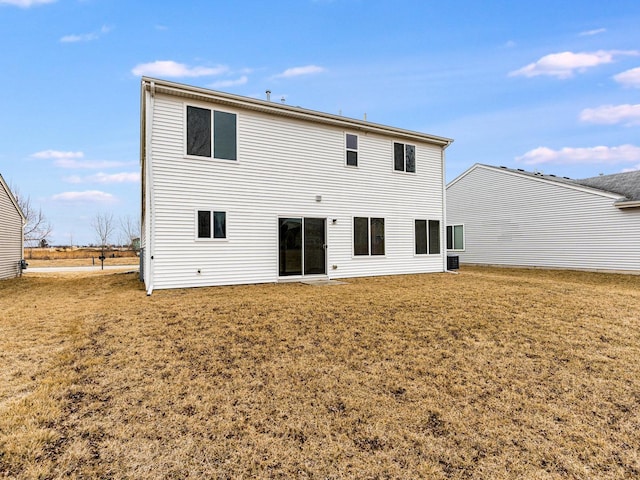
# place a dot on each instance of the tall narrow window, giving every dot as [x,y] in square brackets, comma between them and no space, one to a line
[404,157]
[434,236]
[352,149]
[224,135]
[198,131]
[361,236]
[455,237]
[421,237]
[204,224]
[377,236]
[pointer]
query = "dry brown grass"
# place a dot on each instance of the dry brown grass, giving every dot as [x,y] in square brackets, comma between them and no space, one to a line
[487,374]
[67,253]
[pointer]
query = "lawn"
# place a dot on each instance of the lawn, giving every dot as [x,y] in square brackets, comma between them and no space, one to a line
[492,373]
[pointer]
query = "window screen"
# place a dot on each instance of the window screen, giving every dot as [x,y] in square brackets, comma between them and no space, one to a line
[434,236]
[198,131]
[421,237]
[361,236]
[224,135]
[204,224]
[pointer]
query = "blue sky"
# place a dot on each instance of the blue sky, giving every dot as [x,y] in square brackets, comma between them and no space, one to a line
[545,85]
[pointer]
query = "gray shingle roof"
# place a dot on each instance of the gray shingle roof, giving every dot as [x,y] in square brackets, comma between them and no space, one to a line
[627,184]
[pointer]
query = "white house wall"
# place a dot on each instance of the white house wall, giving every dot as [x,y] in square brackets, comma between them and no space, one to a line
[283,164]
[522,221]
[10,236]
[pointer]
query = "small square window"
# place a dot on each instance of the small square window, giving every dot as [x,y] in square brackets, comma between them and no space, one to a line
[212,224]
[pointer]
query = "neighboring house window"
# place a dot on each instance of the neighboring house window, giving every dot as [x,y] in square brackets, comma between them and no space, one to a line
[368,236]
[206,130]
[404,157]
[212,224]
[427,237]
[352,149]
[455,237]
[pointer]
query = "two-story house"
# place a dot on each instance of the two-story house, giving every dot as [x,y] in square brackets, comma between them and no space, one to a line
[239,190]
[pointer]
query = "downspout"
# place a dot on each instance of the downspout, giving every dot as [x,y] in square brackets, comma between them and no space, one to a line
[149,197]
[443,227]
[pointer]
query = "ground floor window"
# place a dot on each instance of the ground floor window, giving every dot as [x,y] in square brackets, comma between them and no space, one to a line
[427,237]
[368,236]
[455,237]
[212,224]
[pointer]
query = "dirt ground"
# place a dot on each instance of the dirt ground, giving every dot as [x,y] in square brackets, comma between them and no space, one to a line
[492,373]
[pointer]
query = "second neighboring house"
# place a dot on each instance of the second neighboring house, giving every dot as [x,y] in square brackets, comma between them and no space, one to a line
[239,190]
[11,233]
[510,217]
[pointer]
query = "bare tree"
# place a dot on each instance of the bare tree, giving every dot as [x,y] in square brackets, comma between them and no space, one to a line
[130,228]
[37,228]
[104,227]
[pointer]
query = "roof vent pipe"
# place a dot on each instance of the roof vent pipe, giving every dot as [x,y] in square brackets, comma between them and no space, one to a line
[268,92]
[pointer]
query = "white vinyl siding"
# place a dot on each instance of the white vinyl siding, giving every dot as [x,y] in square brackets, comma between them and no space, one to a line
[517,220]
[11,250]
[284,165]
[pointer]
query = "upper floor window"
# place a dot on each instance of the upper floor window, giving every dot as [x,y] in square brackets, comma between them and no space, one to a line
[368,236]
[210,131]
[455,237]
[404,157]
[352,149]
[212,224]
[427,237]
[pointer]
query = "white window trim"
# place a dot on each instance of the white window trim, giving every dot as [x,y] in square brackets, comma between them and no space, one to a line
[393,159]
[353,246]
[464,239]
[224,161]
[357,150]
[212,238]
[426,219]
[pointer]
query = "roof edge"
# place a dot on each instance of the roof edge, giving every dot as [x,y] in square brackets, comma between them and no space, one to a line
[13,199]
[238,101]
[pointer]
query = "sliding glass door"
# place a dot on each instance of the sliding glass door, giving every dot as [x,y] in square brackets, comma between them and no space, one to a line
[302,246]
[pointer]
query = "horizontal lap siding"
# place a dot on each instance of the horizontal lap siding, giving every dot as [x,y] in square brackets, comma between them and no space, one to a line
[514,220]
[10,236]
[282,166]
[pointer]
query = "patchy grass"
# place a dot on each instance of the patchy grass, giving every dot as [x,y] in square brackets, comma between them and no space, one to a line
[492,373]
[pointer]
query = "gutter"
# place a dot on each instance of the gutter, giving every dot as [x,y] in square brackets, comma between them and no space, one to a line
[443,227]
[628,204]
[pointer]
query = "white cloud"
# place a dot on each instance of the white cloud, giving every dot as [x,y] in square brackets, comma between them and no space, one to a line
[57,154]
[588,155]
[230,83]
[169,68]
[85,37]
[590,33]
[612,114]
[566,64]
[630,78]
[298,71]
[123,177]
[25,3]
[87,164]
[93,196]
[631,169]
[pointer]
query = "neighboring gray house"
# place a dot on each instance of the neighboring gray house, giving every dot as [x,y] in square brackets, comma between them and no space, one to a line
[509,217]
[239,190]
[11,233]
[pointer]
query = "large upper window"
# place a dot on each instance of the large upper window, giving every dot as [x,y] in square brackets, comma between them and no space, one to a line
[368,236]
[404,157]
[352,149]
[427,237]
[212,224]
[455,237]
[210,128]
